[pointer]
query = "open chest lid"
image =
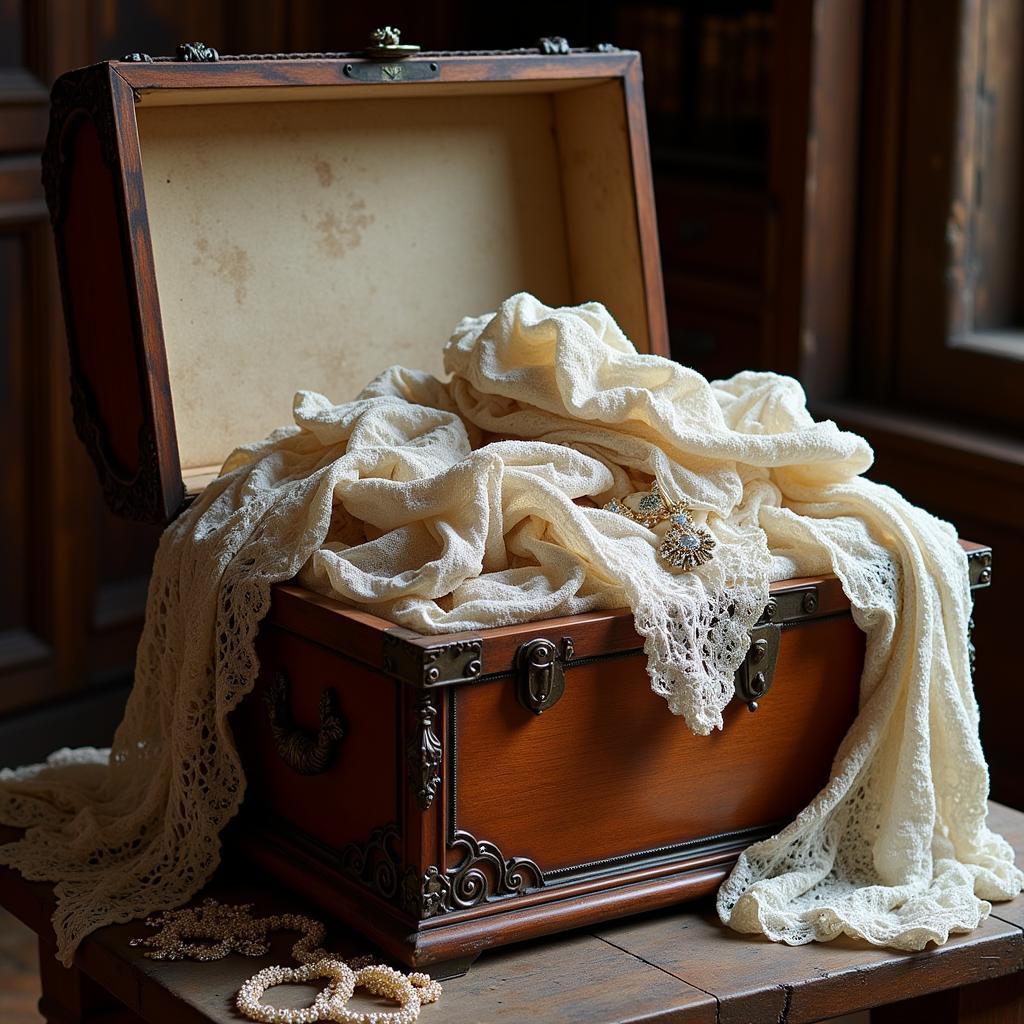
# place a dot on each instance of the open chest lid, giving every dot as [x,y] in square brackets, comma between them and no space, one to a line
[229,232]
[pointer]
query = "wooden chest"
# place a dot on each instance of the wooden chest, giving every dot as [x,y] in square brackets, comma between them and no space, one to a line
[231,230]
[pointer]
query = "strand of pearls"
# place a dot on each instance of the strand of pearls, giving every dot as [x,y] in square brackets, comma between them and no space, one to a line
[336,994]
[213,930]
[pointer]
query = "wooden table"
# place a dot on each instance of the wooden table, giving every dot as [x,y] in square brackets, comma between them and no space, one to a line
[679,966]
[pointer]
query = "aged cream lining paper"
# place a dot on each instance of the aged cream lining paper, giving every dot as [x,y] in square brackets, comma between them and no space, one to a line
[376,222]
[394,503]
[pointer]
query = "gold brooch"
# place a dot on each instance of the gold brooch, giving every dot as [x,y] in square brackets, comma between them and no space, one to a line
[684,546]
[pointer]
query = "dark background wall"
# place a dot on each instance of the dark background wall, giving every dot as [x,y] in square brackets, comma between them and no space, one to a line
[837,185]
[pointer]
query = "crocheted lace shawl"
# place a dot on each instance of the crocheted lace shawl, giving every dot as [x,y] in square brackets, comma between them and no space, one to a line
[476,503]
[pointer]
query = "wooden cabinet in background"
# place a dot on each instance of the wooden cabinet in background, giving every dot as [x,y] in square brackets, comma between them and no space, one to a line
[64,626]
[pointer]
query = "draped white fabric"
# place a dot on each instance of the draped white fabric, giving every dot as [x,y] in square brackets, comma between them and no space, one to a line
[476,503]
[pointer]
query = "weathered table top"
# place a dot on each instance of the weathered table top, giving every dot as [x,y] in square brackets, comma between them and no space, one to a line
[677,965]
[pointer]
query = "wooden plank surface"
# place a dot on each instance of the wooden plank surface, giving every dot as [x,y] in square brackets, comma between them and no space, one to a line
[755,979]
[573,979]
[679,965]
[568,979]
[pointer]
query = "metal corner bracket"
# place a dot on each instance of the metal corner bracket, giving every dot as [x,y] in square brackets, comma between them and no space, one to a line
[979,568]
[433,665]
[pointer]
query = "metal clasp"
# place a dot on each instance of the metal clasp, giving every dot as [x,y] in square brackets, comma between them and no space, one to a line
[755,676]
[540,667]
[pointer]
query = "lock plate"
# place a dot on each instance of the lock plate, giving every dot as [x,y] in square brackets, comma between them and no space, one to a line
[754,677]
[541,673]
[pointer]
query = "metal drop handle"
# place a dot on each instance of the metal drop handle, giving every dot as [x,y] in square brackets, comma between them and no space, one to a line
[305,752]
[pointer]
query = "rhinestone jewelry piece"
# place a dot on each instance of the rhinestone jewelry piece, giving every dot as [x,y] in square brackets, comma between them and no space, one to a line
[651,504]
[685,546]
[227,929]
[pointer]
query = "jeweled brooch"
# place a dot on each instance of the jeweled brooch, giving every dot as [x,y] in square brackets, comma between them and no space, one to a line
[685,545]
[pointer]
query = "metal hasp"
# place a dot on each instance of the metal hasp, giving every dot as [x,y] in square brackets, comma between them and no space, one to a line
[541,673]
[755,676]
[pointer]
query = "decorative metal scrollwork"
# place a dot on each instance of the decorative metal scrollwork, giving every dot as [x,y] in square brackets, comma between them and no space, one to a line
[458,661]
[482,875]
[308,753]
[553,45]
[424,754]
[386,44]
[376,863]
[197,53]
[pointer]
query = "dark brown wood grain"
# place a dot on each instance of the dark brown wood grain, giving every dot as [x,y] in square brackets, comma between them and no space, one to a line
[636,118]
[357,634]
[66,618]
[935,202]
[756,980]
[606,771]
[999,1001]
[360,790]
[616,804]
[313,71]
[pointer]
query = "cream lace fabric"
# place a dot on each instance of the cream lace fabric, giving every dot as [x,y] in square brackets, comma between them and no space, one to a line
[476,503]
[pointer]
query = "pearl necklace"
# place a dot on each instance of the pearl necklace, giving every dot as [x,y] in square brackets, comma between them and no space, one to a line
[233,929]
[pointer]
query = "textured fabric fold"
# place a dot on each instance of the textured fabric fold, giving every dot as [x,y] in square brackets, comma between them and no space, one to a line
[476,502]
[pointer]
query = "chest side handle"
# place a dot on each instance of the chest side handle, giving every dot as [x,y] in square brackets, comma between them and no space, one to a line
[305,752]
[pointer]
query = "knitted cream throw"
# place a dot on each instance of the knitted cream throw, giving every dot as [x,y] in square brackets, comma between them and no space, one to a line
[475,503]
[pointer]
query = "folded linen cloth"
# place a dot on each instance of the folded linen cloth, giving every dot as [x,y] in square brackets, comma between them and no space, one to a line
[476,503]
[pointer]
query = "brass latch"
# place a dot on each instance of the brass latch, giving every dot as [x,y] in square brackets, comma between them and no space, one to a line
[541,673]
[754,677]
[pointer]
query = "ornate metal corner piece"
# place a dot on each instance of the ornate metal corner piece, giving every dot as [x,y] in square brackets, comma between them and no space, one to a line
[553,45]
[197,53]
[979,568]
[458,661]
[483,875]
[424,754]
[790,606]
[377,862]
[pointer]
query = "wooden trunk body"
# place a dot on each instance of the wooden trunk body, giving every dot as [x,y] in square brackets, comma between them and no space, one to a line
[444,794]
[451,817]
